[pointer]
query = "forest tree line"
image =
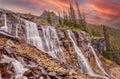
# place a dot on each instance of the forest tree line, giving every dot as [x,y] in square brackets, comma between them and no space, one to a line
[70,18]
[78,20]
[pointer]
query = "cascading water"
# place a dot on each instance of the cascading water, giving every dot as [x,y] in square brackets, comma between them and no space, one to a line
[16,30]
[33,35]
[19,68]
[99,63]
[83,62]
[52,43]
[1,77]
[5,27]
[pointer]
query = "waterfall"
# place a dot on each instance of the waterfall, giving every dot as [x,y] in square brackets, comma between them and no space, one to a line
[19,68]
[83,62]
[52,43]
[5,27]
[98,62]
[50,39]
[33,35]
[16,30]
[1,77]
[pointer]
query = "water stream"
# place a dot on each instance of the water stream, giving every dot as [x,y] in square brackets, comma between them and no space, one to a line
[33,35]
[83,62]
[52,43]
[99,63]
[5,27]
[19,68]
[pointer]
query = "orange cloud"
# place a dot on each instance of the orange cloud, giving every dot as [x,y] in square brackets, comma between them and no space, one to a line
[107,10]
[97,11]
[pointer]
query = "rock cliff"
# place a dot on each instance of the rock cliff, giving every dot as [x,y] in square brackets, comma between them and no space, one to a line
[31,50]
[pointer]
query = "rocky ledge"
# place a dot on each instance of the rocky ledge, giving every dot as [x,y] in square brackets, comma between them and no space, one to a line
[23,61]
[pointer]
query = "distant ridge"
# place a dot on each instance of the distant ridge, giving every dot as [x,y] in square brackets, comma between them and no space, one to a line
[44,15]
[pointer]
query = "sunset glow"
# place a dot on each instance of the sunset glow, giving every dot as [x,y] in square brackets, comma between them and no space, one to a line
[97,11]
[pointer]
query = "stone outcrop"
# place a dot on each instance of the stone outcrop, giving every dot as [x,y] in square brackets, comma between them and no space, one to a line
[37,65]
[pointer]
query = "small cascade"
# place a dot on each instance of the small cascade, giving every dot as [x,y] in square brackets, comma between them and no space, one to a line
[83,62]
[33,35]
[1,77]
[19,68]
[5,27]
[52,43]
[16,30]
[99,63]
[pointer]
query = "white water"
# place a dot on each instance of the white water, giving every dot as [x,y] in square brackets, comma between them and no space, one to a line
[16,31]
[83,62]
[1,77]
[99,63]
[19,68]
[5,27]
[52,43]
[33,35]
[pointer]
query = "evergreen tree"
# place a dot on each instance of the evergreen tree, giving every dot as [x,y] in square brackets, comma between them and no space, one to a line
[49,19]
[72,16]
[84,23]
[84,20]
[65,18]
[79,15]
[107,39]
[60,19]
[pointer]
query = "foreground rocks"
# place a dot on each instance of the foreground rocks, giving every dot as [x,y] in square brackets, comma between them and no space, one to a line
[22,61]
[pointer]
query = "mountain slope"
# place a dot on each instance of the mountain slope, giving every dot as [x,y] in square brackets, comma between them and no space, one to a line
[62,54]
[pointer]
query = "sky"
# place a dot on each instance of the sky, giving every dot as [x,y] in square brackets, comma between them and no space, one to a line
[96,11]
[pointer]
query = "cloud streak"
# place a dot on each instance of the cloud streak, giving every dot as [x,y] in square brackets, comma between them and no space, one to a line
[108,10]
[97,11]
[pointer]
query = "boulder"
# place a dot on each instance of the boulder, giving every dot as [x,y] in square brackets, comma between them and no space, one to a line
[62,74]
[28,74]
[10,43]
[61,34]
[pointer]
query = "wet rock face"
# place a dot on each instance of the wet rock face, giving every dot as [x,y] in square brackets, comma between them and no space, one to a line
[15,26]
[33,70]
[99,44]
[61,34]
[8,70]
[1,20]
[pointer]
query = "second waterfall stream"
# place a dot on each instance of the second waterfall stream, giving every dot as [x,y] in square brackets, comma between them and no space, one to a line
[52,43]
[83,62]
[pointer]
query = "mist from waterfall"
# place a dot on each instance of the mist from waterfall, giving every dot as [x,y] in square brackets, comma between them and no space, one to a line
[52,43]
[83,62]
[5,27]
[33,35]
[19,68]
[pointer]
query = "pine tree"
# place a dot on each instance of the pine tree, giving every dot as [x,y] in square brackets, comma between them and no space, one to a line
[49,19]
[79,15]
[65,18]
[72,16]
[60,19]
[107,39]
[84,20]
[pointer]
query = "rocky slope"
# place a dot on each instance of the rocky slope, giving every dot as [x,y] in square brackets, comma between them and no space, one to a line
[44,16]
[42,52]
